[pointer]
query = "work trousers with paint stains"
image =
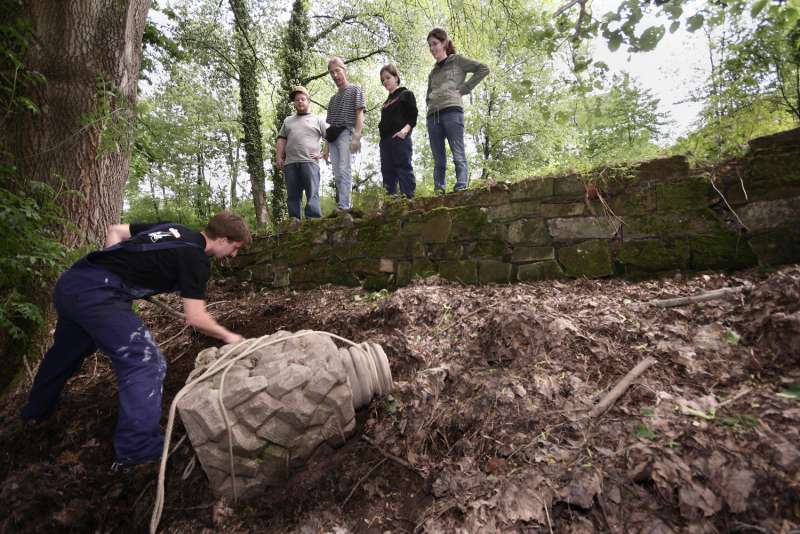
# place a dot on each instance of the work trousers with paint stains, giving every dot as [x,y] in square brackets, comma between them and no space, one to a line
[94,312]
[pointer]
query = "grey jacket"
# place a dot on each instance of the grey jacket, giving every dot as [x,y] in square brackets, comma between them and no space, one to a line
[447,83]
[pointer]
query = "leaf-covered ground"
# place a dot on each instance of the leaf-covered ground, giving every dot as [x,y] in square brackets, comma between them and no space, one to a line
[489,427]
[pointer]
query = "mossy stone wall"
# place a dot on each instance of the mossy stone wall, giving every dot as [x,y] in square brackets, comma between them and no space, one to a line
[657,216]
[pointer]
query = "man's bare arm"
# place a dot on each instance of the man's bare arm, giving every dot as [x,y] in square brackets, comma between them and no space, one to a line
[197,317]
[117,233]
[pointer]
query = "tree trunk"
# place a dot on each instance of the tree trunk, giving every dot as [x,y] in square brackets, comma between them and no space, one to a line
[251,118]
[89,53]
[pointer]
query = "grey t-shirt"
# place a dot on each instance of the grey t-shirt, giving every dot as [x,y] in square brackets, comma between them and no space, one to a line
[303,134]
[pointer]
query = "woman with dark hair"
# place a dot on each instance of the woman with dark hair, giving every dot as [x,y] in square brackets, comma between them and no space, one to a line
[447,83]
[398,118]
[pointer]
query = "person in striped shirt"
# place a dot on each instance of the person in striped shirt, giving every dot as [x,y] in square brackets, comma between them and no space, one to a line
[346,120]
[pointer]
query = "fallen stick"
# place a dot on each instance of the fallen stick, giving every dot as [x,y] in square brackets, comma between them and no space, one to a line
[702,297]
[621,386]
[169,309]
[388,455]
[362,479]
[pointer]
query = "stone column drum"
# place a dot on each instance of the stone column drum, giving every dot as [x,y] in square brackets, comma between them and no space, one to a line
[284,403]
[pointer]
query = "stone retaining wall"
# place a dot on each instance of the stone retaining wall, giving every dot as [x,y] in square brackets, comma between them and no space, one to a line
[656,216]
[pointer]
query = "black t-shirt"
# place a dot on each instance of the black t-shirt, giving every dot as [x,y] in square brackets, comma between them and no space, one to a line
[399,109]
[185,269]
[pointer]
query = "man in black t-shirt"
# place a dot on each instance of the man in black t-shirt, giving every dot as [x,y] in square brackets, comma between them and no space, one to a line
[93,301]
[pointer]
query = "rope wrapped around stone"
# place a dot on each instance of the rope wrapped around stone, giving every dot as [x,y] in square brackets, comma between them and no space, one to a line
[322,397]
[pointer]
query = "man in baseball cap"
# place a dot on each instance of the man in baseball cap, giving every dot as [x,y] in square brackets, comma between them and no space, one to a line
[298,154]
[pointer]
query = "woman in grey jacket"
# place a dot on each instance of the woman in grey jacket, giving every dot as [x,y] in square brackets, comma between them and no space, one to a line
[447,83]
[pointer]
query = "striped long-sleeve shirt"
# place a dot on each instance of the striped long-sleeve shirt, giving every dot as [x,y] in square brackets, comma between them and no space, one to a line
[343,106]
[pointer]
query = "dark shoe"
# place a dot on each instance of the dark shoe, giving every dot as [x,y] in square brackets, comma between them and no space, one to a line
[146,465]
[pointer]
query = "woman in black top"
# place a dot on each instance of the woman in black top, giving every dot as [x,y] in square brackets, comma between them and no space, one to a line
[398,118]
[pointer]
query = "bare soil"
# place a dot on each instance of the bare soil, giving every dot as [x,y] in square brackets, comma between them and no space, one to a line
[488,428]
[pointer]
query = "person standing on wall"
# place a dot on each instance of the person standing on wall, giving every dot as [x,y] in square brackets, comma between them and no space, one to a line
[93,299]
[447,83]
[346,120]
[398,118]
[298,151]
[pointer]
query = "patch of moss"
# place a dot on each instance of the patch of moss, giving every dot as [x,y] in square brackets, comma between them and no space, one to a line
[569,186]
[375,282]
[471,223]
[778,246]
[493,271]
[653,255]
[404,273]
[589,258]
[684,195]
[532,231]
[541,270]
[462,271]
[568,209]
[514,210]
[673,225]
[532,188]
[724,251]
[437,226]
[493,248]
[523,253]
[445,251]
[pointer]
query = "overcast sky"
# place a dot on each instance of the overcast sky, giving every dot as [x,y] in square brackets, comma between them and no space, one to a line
[678,65]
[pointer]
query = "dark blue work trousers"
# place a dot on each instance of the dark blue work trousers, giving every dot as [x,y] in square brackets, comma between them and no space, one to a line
[396,165]
[94,312]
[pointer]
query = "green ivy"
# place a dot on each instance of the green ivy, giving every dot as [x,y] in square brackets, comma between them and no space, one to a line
[30,254]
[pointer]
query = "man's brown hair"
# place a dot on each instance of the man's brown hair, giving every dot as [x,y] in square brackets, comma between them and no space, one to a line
[229,225]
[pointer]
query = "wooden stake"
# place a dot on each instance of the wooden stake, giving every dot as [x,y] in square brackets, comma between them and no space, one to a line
[621,386]
[702,297]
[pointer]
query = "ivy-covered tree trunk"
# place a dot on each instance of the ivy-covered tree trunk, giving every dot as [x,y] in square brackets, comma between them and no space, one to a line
[250,116]
[72,131]
[293,61]
[89,52]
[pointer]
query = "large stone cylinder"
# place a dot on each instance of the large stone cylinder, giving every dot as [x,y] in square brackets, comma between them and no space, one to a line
[284,402]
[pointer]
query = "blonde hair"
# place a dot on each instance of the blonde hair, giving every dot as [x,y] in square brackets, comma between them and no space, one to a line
[336,61]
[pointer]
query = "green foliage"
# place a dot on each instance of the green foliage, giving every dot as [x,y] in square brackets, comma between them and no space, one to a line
[30,254]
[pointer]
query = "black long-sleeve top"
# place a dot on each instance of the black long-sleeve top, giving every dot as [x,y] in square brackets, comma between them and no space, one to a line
[399,109]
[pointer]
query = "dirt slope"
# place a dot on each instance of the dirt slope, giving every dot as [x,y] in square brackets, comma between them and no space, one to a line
[488,429]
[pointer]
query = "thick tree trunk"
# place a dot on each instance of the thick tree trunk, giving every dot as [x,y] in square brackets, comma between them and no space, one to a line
[251,118]
[89,53]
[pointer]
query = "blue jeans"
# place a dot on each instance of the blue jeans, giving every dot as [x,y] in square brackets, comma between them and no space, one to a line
[396,165]
[94,311]
[448,125]
[302,176]
[340,162]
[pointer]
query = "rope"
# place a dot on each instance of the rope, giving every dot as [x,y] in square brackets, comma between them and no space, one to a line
[224,364]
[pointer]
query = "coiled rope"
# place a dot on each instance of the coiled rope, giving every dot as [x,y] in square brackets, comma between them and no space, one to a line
[223,364]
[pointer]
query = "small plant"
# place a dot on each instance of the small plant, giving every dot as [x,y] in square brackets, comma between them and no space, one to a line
[743,422]
[644,431]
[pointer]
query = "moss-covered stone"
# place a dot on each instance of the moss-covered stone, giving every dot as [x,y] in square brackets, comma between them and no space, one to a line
[778,246]
[531,188]
[494,248]
[524,254]
[639,201]
[445,251]
[437,226]
[568,209]
[422,267]
[663,169]
[683,195]
[375,282]
[514,210]
[493,272]
[542,270]
[758,216]
[404,273]
[569,186]
[653,255]
[471,223]
[724,251]
[572,228]
[590,258]
[462,271]
[530,231]
[672,225]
